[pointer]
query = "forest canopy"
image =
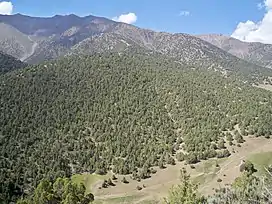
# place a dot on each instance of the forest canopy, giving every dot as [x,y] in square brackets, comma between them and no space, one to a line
[122,113]
[9,63]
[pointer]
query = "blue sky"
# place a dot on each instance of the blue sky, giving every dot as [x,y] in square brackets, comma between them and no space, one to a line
[203,16]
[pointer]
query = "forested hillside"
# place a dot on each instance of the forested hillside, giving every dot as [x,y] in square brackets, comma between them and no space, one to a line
[125,113]
[9,63]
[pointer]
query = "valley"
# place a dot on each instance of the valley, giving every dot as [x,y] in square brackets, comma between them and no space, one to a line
[33,48]
[87,99]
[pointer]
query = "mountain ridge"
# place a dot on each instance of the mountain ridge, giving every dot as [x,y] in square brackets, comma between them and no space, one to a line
[255,52]
[58,36]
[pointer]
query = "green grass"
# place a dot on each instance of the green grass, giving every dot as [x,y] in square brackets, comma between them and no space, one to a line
[204,178]
[120,200]
[209,166]
[97,202]
[261,160]
[207,170]
[88,180]
[149,202]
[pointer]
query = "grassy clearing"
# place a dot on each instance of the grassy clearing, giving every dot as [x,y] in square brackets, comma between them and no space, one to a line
[204,178]
[209,166]
[261,160]
[205,174]
[88,180]
[119,200]
[149,202]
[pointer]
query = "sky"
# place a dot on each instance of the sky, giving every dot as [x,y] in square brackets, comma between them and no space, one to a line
[247,20]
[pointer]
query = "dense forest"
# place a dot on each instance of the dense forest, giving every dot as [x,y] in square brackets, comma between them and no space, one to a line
[121,113]
[9,63]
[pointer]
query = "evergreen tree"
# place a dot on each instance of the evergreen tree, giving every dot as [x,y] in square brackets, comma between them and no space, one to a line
[185,193]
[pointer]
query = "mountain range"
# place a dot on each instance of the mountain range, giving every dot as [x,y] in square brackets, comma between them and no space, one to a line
[35,39]
[127,100]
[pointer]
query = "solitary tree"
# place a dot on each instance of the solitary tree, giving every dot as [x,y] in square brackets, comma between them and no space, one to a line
[185,193]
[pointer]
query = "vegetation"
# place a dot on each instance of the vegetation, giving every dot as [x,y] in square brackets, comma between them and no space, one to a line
[62,191]
[246,189]
[121,113]
[9,63]
[88,180]
[185,193]
[261,161]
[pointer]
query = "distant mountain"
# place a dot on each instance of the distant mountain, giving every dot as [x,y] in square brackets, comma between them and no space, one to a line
[14,42]
[255,52]
[35,39]
[58,24]
[9,63]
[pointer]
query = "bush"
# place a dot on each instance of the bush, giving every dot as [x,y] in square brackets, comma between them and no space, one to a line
[153,171]
[180,156]
[114,177]
[105,184]
[124,180]
[110,183]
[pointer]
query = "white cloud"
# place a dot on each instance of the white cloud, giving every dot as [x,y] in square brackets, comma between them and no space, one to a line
[256,31]
[268,4]
[6,8]
[184,13]
[260,6]
[129,18]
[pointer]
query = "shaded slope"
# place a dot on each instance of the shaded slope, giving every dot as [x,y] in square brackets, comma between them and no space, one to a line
[9,63]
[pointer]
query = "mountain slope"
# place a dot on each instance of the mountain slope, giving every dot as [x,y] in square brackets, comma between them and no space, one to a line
[9,63]
[257,53]
[121,113]
[14,43]
[50,38]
